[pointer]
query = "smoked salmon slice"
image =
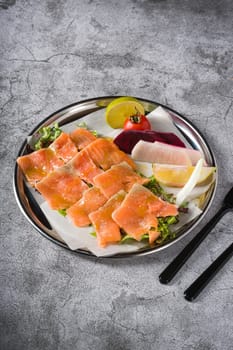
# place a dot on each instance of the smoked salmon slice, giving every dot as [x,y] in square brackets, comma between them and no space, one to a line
[82,137]
[162,208]
[107,230]
[105,153]
[61,188]
[39,164]
[64,147]
[91,200]
[118,177]
[84,166]
[138,213]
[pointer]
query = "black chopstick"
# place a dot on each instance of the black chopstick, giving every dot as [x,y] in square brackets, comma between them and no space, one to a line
[199,284]
[172,269]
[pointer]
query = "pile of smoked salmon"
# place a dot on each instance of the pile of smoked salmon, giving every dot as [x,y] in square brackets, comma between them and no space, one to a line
[98,185]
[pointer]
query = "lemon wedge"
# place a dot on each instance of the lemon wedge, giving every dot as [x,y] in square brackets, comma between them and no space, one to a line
[122,108]
[178,176]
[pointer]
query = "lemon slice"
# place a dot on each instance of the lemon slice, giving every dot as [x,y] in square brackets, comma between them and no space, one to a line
[178,176]
[122,108]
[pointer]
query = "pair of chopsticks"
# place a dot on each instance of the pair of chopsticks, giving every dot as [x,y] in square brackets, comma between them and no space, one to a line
[199,284]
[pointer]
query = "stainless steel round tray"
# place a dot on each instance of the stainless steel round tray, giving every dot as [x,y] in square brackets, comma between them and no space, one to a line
[73,112]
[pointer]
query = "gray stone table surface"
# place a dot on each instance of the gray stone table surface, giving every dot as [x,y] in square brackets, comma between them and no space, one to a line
[56,52]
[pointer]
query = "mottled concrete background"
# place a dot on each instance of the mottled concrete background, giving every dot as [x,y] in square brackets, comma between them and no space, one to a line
[55,52]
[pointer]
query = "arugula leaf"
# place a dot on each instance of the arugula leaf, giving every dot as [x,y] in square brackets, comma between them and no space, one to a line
[93,234]
[164,228]
[155,188]
[128,239]
[62,212]
[47,135]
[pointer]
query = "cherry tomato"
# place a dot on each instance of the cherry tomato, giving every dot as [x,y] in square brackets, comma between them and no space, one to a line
[137,122]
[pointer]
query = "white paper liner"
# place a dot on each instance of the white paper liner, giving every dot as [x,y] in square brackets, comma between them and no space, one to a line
[161,121]
[80,238]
